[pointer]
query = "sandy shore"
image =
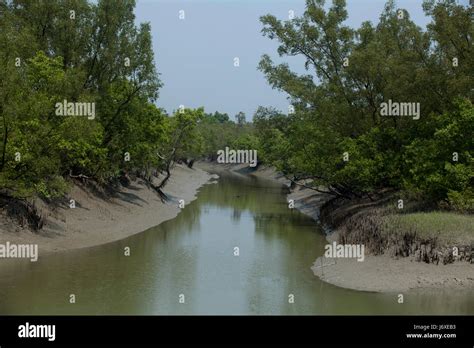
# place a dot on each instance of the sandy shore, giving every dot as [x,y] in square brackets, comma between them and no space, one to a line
[376,273]
[385,274]
[98,220]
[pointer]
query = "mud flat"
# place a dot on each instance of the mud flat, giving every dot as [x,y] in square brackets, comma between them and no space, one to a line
[377,273]
[99,219]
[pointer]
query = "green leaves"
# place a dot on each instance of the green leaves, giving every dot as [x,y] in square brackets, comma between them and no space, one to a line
[97,56]
[352,72]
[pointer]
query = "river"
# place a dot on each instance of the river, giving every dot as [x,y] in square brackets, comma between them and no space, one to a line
[189,265]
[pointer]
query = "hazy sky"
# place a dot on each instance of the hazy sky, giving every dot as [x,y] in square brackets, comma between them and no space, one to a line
[195,56]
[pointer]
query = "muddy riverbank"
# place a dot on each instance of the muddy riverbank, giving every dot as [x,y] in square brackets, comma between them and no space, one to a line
[385,271]
[100,219]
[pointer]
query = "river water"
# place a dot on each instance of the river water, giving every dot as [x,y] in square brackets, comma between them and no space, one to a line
[192,259]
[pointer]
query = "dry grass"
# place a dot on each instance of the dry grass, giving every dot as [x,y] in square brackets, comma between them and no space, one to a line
[447,228]
[428,236]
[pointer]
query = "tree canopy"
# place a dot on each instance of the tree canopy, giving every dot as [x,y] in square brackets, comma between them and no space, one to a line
[338,137]
[81,52]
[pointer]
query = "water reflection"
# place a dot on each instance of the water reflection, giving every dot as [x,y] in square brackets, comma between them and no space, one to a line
[193,255]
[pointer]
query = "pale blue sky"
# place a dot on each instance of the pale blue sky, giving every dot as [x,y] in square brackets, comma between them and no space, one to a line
[195,56]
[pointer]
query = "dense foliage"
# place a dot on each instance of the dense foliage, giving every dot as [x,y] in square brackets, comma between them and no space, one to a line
[337,136]
[93,52]
[81,51]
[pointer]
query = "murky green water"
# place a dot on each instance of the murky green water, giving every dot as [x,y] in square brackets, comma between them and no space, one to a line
[193,255]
